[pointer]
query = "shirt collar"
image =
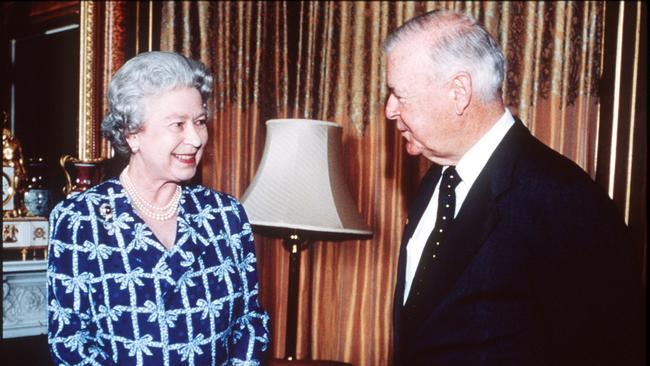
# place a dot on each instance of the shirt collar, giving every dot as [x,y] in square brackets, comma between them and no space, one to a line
[474,160]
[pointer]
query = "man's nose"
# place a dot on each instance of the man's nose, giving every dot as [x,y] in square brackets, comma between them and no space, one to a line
[392,107]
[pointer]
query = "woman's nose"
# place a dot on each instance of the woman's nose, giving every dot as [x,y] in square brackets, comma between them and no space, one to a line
[192,135]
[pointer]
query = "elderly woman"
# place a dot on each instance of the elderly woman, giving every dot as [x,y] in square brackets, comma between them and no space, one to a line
[146,269]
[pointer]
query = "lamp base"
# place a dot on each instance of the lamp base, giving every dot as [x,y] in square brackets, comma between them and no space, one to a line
[294,245]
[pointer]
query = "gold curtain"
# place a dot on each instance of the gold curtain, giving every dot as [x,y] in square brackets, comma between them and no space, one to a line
[114,31]
[324,60]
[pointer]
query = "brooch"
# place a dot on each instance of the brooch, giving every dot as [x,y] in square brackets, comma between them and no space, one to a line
[105,211]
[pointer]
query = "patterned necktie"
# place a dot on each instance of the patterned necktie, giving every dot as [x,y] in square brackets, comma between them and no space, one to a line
[410,314]
[446,210]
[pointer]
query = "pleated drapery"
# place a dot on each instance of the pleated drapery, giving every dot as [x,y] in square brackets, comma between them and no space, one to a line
[324,60]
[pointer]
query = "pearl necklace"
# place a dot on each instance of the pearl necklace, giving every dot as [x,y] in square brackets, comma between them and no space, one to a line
[157,213]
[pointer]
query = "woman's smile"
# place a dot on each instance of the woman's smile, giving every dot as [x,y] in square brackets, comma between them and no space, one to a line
[189,159]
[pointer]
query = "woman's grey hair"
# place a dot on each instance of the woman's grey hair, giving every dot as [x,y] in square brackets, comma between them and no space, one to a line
[148,74]
[457,42]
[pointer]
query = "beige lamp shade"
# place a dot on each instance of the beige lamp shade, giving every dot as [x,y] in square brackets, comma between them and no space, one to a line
[300,184]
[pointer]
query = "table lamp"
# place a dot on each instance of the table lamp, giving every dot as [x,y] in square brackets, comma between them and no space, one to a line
[300,193]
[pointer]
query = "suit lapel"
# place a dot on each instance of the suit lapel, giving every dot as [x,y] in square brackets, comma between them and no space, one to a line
[416,210]
[425,191]
[475,221]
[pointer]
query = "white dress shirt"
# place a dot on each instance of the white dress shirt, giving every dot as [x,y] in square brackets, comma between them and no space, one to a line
[468,168]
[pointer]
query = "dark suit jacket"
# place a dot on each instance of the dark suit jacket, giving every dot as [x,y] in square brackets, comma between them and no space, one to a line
[537,269]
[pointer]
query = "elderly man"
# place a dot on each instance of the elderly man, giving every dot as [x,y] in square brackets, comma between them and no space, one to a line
[511,255]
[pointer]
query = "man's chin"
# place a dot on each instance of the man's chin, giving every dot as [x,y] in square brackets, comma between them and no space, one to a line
[413,150]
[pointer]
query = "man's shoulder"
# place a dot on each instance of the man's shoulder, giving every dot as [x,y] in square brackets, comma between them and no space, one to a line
[545,174]
[536,160]
[546,164]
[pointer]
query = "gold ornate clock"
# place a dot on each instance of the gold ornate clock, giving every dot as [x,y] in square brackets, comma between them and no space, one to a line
[13,175]
[7,188]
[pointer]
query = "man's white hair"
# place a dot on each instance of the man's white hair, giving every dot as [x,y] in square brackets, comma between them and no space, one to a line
[457,42]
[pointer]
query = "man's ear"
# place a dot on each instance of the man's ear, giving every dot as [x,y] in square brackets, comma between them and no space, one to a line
[133,141]
[461,91]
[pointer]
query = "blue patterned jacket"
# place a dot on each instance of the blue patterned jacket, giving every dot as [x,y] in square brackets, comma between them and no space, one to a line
[116,296]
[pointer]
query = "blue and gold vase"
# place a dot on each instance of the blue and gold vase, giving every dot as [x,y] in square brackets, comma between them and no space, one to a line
[38,198]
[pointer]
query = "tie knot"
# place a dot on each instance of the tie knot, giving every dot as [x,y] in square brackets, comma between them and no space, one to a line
[450,178]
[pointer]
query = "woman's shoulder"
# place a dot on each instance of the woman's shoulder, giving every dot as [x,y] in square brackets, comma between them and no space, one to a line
[78,201]
[207,195]
[205,202]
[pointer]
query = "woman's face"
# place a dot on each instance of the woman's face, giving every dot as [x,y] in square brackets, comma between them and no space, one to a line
[170,144]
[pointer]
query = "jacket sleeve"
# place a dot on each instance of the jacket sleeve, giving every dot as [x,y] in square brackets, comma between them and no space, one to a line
[250,337]
[71,337]
[588,282]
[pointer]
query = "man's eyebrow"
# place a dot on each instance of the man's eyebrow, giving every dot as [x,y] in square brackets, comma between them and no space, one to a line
[395,91]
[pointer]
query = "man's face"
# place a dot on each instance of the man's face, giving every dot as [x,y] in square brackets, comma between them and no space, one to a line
[420,103]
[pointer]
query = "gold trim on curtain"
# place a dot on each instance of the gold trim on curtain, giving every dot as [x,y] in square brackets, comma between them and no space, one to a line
[621,165]
[324,60]
[115,46]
